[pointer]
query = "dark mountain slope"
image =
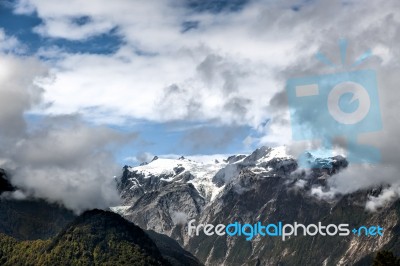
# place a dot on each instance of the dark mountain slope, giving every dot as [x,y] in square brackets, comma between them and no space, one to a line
[94,238]
[30,219]
[101,237]
[4,184]
[97,238]
[172,251]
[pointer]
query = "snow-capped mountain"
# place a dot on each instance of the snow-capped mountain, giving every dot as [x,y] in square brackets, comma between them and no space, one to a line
[168,191]
[265,186]
[203,176]
[182,170]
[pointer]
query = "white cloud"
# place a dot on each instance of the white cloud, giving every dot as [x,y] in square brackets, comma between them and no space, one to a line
[9,43]
[253,45]
[68,29]
[60,158]
[131,84]
[320,193]
[386,197]
[239,59]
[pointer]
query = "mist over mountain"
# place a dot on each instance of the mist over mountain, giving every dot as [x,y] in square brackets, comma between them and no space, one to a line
[267,186]
[60,158]
[25,218]
[36,232]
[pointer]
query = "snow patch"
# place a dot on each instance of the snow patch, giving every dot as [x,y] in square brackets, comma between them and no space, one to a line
[119,209]
[277,152]
[203,173]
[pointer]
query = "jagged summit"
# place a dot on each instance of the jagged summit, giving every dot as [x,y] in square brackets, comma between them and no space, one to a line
[184,188]
[201,175]
[266,153]
[209,179]
[268,185]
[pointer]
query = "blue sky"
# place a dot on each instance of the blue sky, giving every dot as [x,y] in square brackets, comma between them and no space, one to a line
[184,77]
[86,82]
[194,136]
[21,25]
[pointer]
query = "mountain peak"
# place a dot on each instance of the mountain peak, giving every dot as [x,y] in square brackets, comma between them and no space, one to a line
[268,153]
[105,237]
[97,237]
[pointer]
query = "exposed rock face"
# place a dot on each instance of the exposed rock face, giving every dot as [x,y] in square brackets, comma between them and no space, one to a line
[163,194]
[266,186]
[159,209]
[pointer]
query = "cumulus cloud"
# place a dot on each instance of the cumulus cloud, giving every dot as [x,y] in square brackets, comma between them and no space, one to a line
[68,161]
[61,158]
[230,68]
[69,28]
[155,55]
[18,92]
[386,197]
[9,43]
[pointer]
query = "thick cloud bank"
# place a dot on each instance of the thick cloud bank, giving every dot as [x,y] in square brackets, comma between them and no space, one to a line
[59,158]
[179,63]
